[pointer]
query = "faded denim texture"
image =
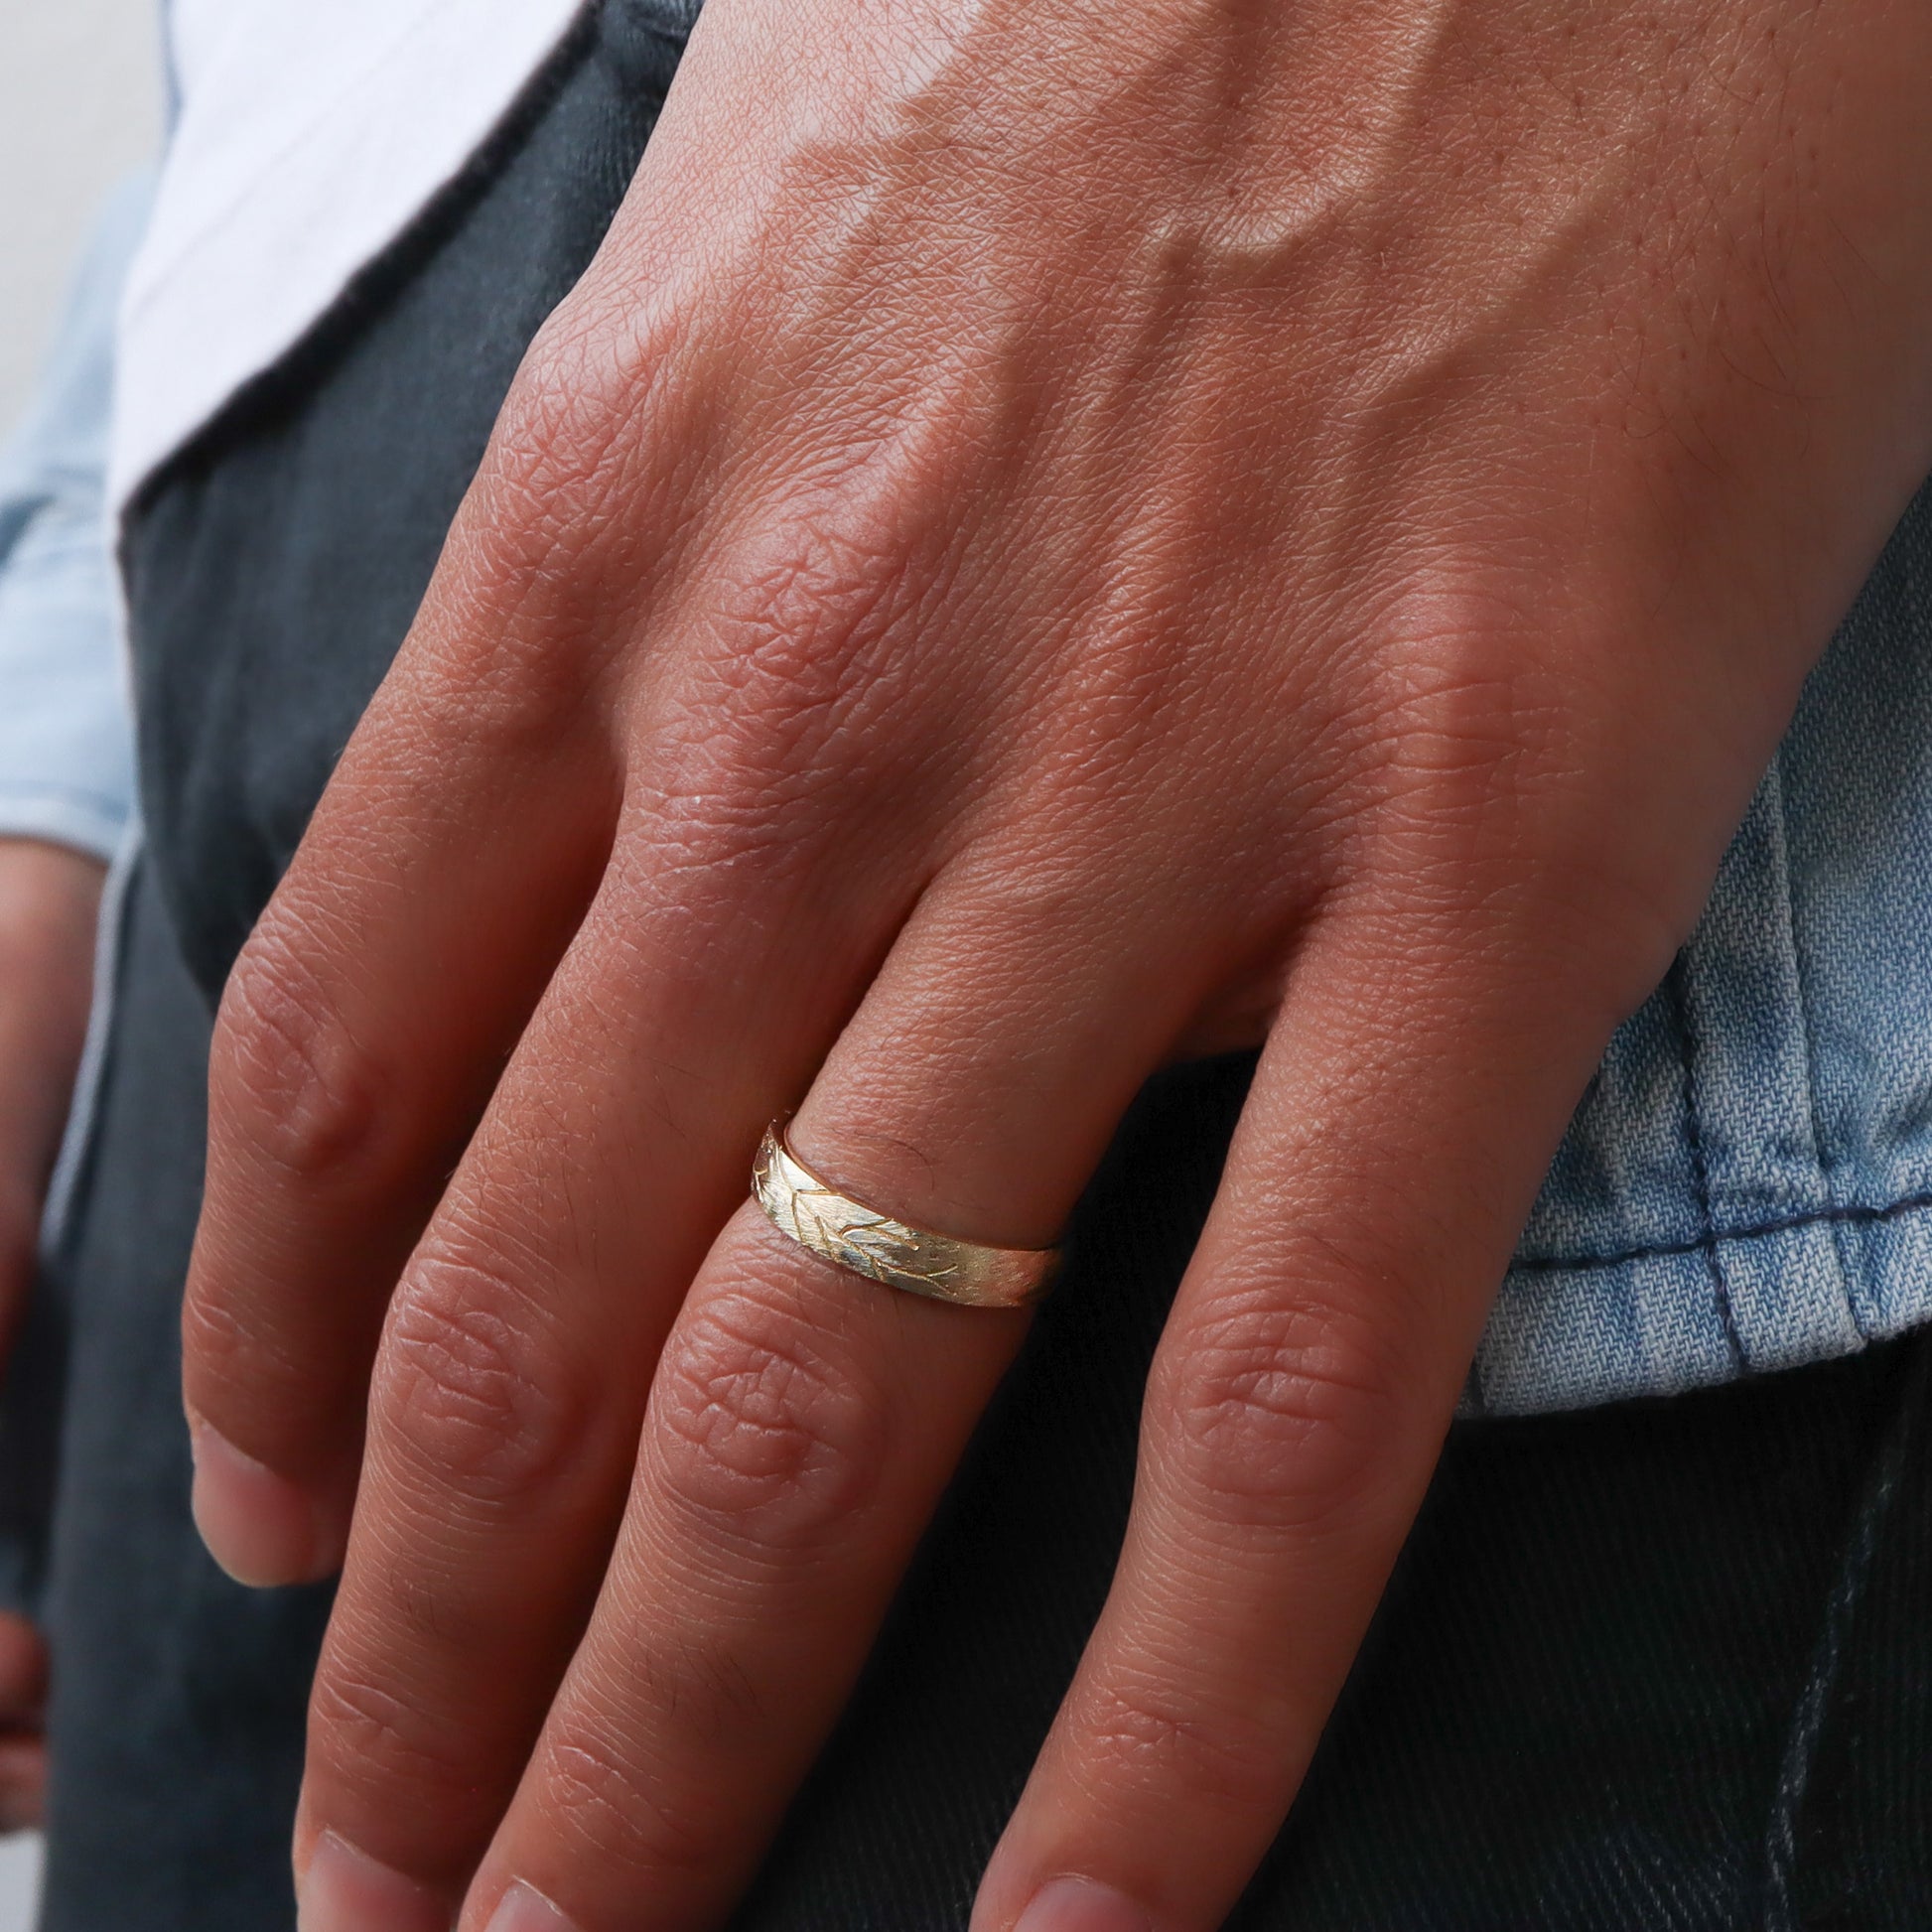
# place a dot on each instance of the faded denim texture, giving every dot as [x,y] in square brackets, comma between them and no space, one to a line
[1746,1185]
[65,755]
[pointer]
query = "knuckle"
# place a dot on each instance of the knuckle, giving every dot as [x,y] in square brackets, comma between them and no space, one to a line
[467,1392]
[796,663]
[593,409]
[365,1734]
[623,1818]
[596,380]
[225,1358]
[797,606]
[287,1078]
[1134,1732]
[557,449]
[1278,1413]
[759,1435]
[1483,720]
[785,723]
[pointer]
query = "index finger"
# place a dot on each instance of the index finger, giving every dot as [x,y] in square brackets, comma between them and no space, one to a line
[359,1037]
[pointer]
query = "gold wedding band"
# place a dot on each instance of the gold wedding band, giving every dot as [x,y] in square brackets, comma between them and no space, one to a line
[863,1241]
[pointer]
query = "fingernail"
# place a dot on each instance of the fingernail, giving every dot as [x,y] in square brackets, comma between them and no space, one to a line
[1075,1905]
[259,1526]
[525,1910]
[346,1891]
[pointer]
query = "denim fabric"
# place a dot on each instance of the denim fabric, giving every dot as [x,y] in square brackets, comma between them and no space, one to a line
[176,1714]
[1748,1182]
[67,758]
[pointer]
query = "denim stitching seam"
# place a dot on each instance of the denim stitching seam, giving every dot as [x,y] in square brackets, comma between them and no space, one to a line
[1756,1231]
[1706,1243]
[1799,977]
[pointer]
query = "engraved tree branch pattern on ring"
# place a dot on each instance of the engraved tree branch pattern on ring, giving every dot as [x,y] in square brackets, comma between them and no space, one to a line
[894,1253]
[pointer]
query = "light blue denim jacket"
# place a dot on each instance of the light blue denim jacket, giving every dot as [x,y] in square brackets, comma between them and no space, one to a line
[1747,1185]
[65,755]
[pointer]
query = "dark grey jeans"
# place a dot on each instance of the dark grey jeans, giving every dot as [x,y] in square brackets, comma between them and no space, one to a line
[1662,1667]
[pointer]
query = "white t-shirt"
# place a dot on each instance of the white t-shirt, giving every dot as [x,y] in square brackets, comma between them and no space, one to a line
[309,133]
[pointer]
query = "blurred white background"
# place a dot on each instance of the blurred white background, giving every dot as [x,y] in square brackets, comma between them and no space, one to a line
[80,105]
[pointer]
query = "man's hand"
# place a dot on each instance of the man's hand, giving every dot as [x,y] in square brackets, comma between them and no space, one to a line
[49,899]
[1052,537]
